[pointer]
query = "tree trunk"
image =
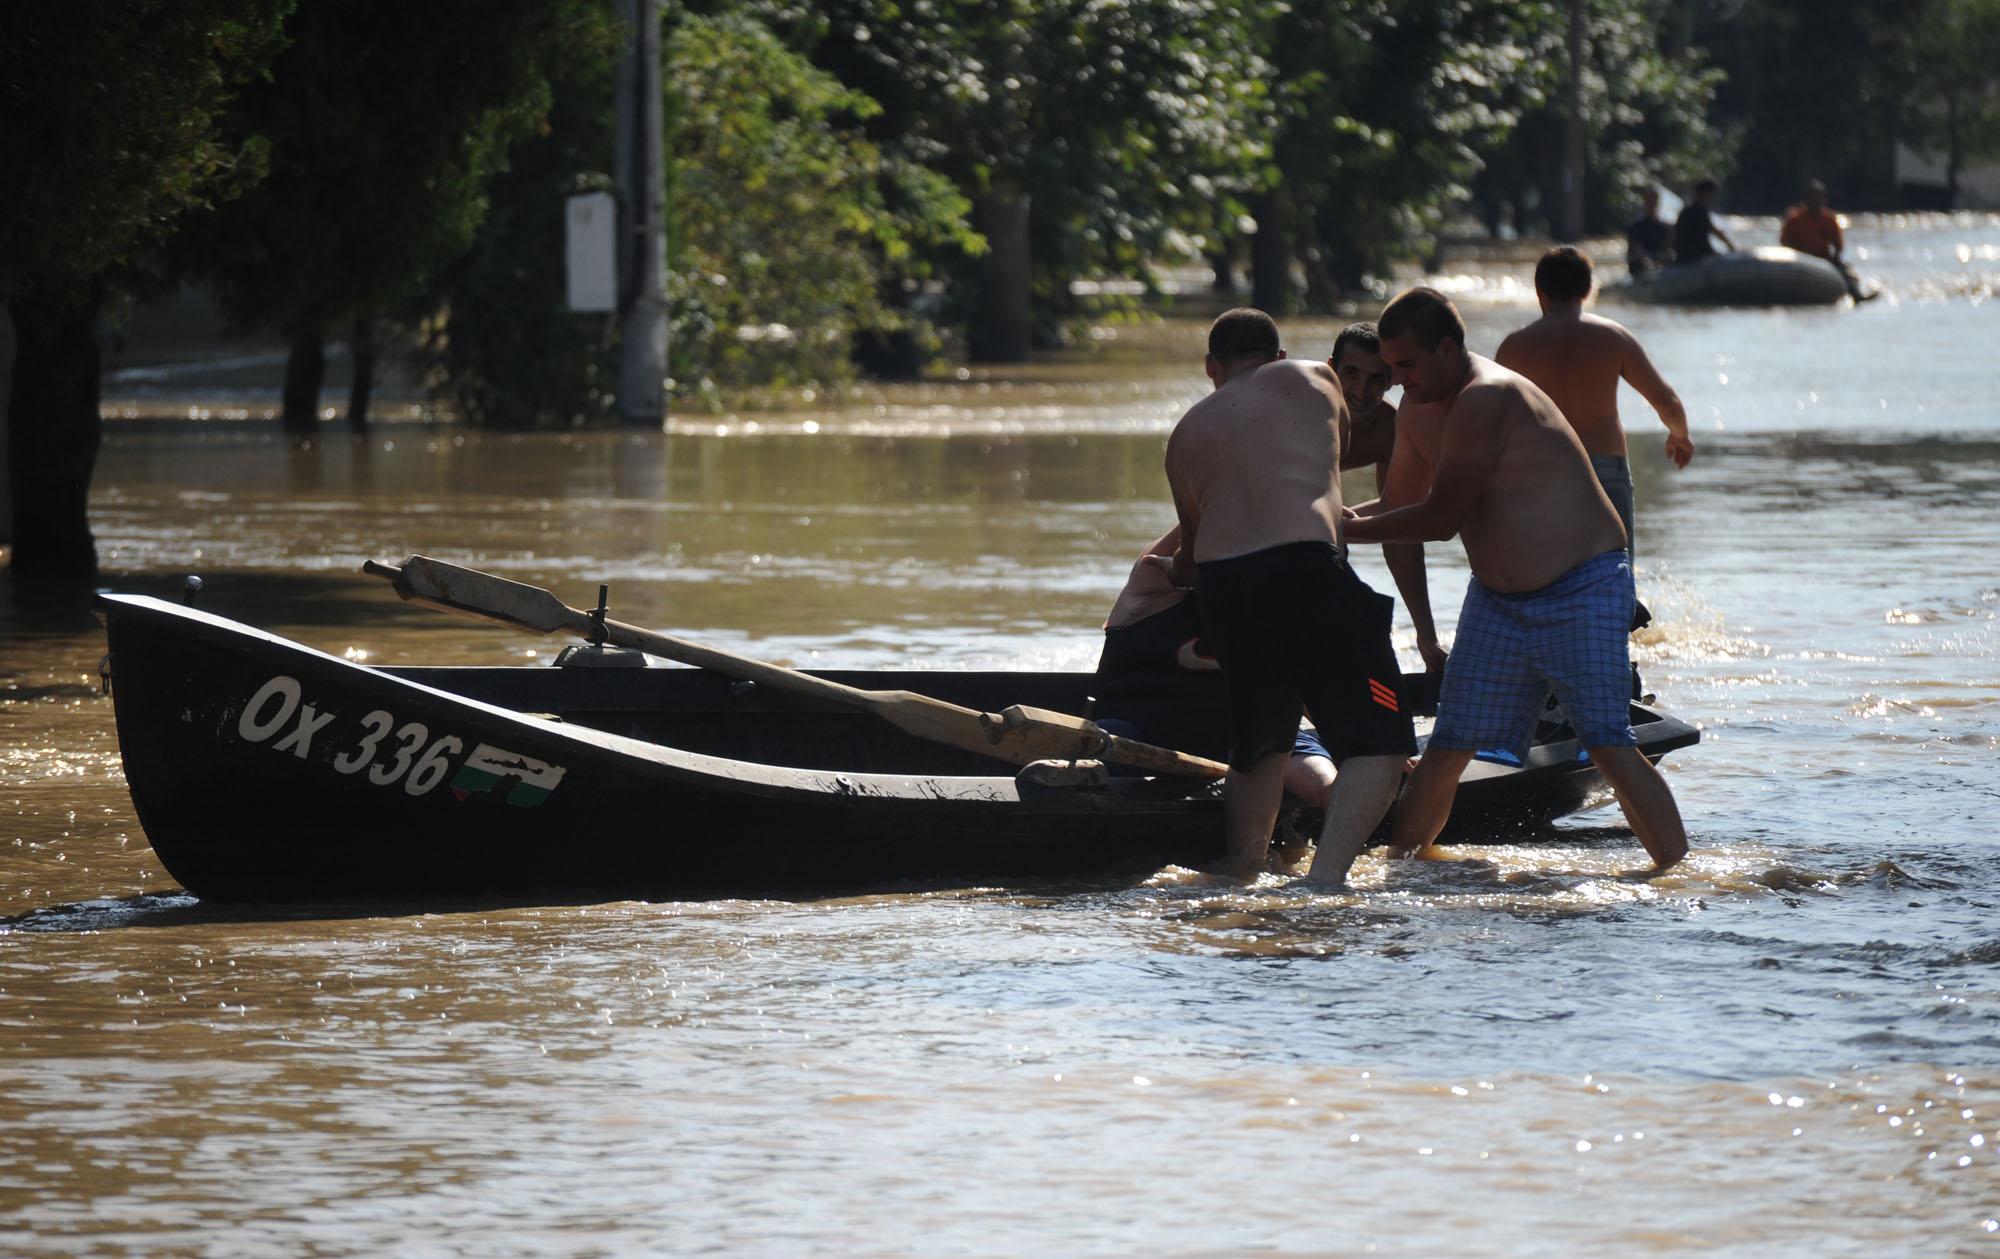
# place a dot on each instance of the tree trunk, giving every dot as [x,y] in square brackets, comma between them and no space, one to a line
[362,351]
[305,372]
[53,433]
[1222,261]
[1954,152]
[1003,330]
[1571,226]
[1270,256]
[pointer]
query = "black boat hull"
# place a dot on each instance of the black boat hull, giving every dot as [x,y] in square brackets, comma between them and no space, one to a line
[261,769]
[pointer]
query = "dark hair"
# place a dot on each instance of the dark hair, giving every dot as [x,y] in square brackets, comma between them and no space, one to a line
[1242,331]
[1424,313]
[1564,273]
[1706,186]
[1363,336]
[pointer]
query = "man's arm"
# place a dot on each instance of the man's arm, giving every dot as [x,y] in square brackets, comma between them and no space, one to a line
[1405,561]
[1468,451]
[1720,235]
[1639,372]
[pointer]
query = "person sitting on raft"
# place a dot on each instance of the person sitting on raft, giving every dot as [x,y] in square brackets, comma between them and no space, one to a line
[1156,684]
[1811,228]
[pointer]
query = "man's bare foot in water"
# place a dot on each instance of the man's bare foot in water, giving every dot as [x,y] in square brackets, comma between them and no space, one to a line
[1429,852]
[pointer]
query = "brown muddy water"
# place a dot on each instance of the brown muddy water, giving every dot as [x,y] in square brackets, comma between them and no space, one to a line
[1791,1046]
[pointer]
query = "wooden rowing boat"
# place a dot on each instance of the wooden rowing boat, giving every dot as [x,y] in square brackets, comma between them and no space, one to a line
[263,769]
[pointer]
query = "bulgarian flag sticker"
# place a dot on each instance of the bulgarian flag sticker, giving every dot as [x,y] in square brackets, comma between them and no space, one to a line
[492,773]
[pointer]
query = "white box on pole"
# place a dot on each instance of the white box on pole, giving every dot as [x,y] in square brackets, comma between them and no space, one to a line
[592,251]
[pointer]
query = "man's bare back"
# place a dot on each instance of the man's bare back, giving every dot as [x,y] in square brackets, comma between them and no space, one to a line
[1578,359]
[1496,463]
[1255,464]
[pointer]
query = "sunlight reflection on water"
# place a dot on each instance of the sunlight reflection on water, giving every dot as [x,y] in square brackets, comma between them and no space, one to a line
[1788,1046]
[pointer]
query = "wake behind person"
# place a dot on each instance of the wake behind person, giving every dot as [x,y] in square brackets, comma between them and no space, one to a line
[1550,600]
[1254,470]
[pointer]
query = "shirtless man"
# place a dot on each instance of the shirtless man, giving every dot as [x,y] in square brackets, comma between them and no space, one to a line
[1577,359]
[1255,473]
[1371,439]
[1550,600]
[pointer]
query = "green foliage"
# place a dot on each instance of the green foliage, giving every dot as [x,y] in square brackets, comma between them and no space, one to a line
[1381,108]
[786,227]
[1955,109]
[1818,90]
[1645,115]
[785,214]
[1123,122]
[113,127]
[502,348]
[384,121]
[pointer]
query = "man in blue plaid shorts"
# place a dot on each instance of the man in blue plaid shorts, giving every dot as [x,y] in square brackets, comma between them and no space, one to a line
[1483,453]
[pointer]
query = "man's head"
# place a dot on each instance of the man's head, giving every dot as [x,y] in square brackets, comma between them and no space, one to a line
[1239,340]
[1649,200]
[1562,277]
[1423,340]
[1705,193]
[1357,360]
[1816,194]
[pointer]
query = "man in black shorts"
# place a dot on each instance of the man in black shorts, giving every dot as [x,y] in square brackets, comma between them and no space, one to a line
[1254,469]
[1159,683]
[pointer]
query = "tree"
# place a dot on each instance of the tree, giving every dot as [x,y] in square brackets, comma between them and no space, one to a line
[1644,113]
[1956,107]
[1084,133]
[1379,109]
[1815,90]
[784,221]
[385,121]
[114,130]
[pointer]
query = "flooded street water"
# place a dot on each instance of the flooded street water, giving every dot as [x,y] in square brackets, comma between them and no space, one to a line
[1788,1046]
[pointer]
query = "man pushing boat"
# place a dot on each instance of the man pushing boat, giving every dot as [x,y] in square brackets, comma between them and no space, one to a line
[1482,453]
[1255,472]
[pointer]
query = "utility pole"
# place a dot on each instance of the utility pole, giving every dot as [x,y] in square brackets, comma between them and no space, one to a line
[642,236]
[1571,227]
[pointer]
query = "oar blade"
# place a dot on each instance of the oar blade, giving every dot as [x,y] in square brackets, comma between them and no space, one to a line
[470,592]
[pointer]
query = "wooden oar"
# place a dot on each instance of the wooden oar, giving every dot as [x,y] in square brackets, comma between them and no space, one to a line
[1020,735]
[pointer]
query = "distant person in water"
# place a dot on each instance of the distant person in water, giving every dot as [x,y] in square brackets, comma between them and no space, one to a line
[1577,359]
[1811,228]
[1371,440]
[1696,225]
[1254,468]
[1490,458]
[1649,242]
[1157,683]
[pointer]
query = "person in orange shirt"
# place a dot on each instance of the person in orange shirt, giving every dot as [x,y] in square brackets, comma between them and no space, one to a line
[1813,229]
